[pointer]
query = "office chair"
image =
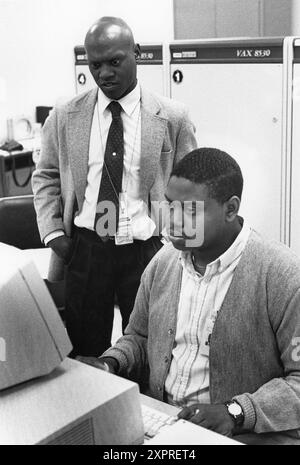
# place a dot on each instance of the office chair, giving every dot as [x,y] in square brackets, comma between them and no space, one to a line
[18,227]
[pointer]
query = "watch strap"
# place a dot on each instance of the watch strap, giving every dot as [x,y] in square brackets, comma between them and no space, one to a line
[239,418]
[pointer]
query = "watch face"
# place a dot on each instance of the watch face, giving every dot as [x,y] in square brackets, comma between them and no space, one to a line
[235,409]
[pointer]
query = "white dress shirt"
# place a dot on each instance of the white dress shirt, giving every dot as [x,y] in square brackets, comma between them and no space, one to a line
[142,225]
[201,298]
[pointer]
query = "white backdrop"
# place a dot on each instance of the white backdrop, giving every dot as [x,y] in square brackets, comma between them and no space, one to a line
[37,38]
[238,108]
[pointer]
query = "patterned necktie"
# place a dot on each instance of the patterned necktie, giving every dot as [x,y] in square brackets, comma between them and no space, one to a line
[112,172]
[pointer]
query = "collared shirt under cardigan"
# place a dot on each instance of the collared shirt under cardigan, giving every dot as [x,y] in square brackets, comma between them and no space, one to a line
[201,297]
[253,346]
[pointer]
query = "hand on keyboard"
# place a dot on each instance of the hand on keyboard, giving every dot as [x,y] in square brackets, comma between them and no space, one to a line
[154,421]
[211,416]
[94,362]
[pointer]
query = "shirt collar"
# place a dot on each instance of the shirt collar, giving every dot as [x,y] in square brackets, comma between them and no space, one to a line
[128,103]
[224,260]
[187,264]
[236,248]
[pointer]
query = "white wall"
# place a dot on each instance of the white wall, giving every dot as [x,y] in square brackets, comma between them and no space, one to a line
[195,19]
[296,18]
[37,38]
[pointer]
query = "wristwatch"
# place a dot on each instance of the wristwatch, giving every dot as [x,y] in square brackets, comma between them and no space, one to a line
[236,412]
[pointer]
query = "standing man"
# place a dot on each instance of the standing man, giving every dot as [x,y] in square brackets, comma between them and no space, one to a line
[116,143]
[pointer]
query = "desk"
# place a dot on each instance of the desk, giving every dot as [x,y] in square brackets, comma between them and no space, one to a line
[15,172]
[41,258]
[54,407]
[192,435]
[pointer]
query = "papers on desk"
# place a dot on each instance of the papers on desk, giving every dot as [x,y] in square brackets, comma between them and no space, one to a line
[29,145]
[12,255]
[41,258]
[4,153]
[186,433]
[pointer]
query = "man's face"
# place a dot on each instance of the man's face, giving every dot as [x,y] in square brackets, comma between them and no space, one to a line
[112,62]
[196,221]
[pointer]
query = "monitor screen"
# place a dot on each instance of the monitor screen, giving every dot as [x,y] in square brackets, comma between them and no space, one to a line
[33,339]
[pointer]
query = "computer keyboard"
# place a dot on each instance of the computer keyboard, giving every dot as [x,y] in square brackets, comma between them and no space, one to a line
[155,421]
[161,428]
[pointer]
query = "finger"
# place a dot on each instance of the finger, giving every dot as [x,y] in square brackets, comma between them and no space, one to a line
[82,359]
[92,361]
[189,412]
[227,433]
[199,420]
[186,413]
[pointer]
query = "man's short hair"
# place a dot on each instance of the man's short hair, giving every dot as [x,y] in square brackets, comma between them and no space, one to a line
[214,168]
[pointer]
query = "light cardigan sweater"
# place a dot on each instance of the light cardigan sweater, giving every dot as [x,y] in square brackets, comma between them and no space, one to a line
[252,347]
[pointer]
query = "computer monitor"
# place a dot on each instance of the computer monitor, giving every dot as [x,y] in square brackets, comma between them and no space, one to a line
[45,399]
[33,339]
[76,404]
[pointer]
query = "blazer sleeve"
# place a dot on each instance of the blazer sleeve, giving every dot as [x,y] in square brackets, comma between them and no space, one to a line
[186,140]
[46,182]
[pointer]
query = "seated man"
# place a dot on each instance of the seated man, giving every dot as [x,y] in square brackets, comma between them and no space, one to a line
[216,323]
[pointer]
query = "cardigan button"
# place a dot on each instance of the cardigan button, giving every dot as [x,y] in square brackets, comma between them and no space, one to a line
[170,331]
[166,359]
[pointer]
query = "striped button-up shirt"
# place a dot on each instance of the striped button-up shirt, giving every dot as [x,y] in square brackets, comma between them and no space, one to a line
[201,297]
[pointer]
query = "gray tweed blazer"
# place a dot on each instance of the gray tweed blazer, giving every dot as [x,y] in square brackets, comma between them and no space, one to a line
[59,180]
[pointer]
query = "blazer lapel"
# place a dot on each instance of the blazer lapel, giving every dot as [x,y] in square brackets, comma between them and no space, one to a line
[153,129]
[80,119]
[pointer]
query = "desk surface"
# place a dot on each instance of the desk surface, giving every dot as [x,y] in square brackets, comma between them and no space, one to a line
[15,153]
[28,146]
[179,434]
[36,411]
[41,258]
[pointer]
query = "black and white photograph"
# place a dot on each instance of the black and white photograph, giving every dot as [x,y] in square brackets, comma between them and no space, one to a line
[149,225]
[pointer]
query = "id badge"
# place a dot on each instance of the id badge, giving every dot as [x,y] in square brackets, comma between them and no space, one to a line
[124,234]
